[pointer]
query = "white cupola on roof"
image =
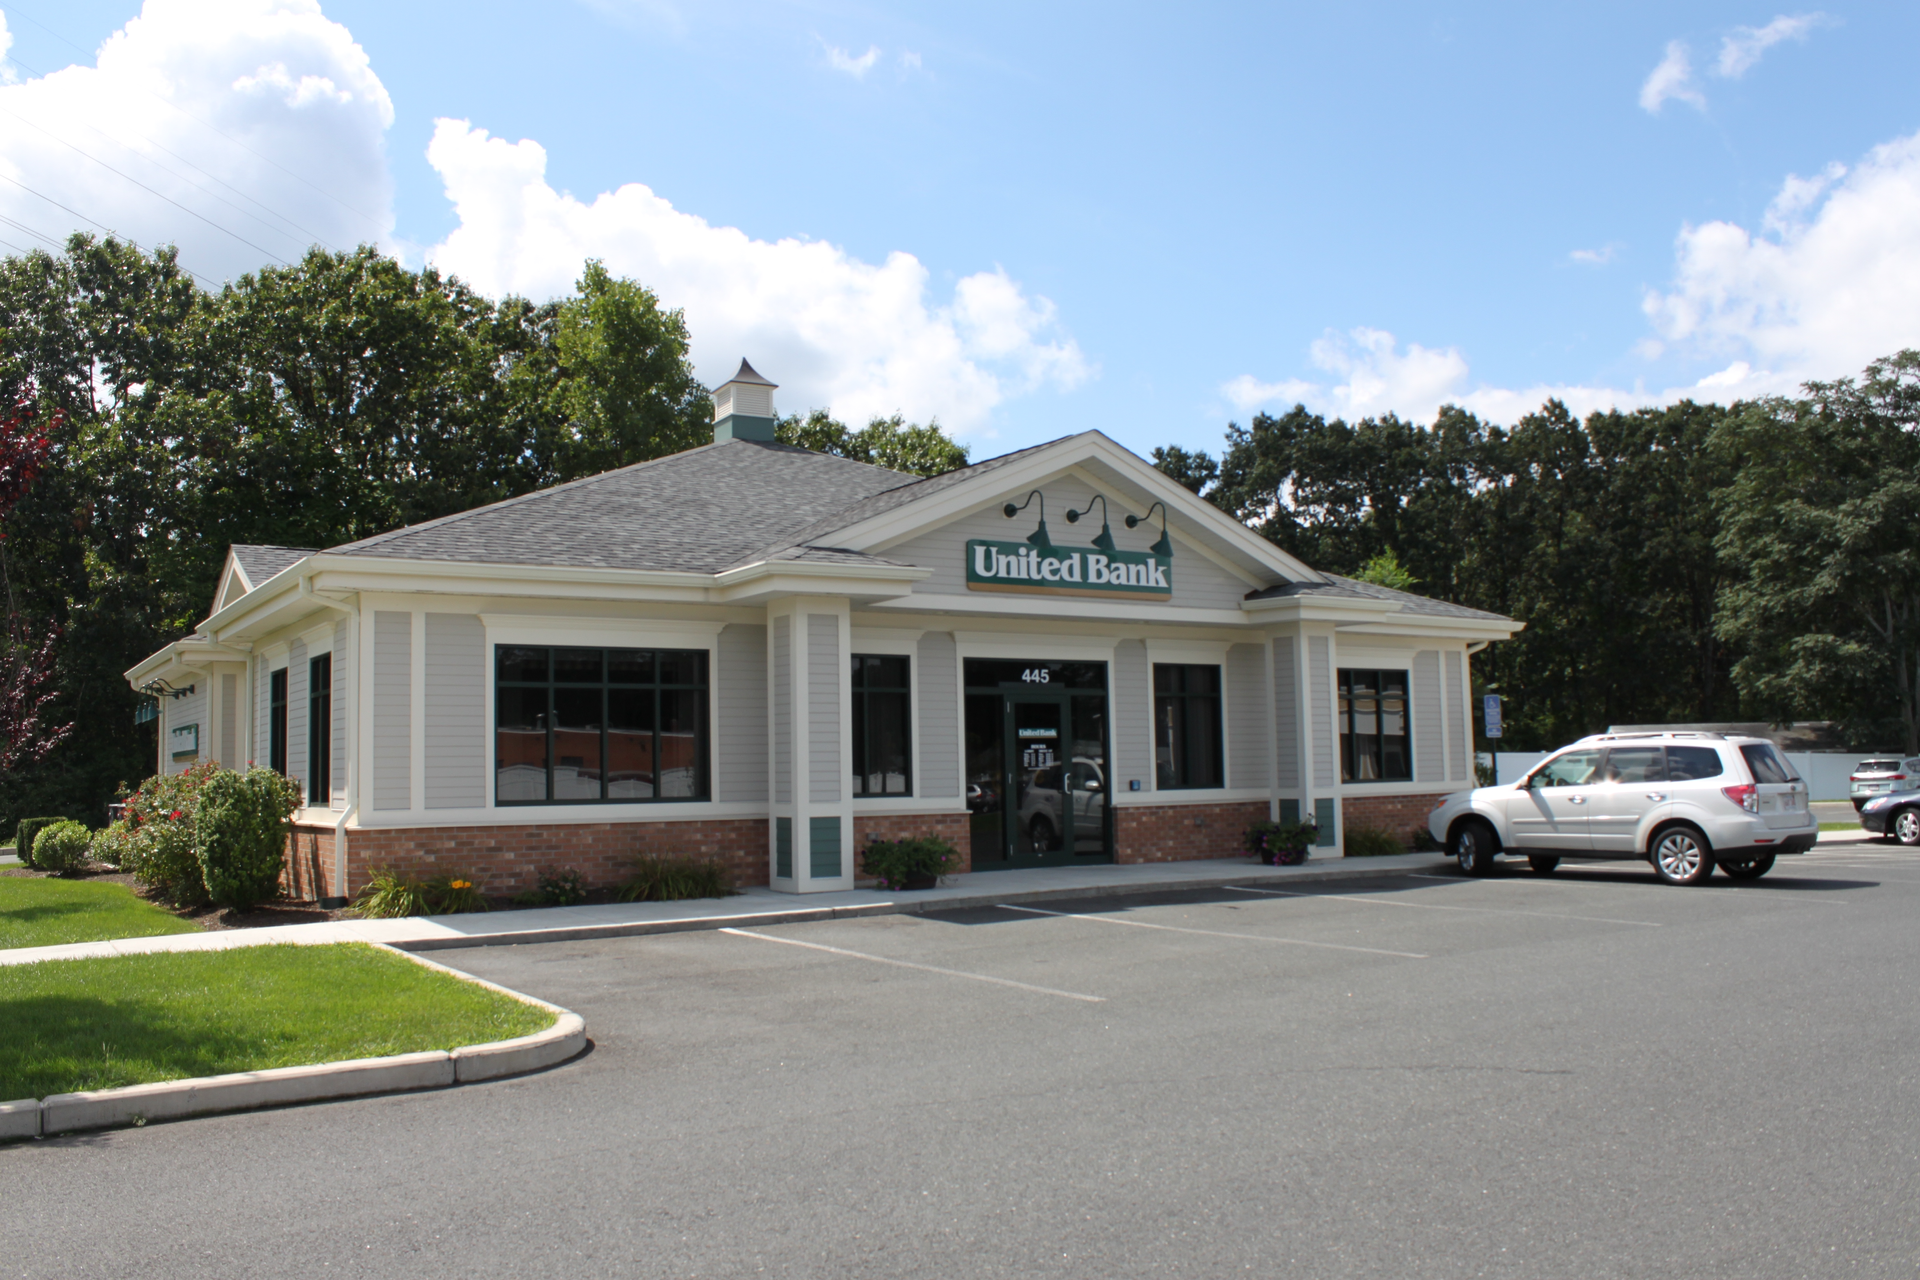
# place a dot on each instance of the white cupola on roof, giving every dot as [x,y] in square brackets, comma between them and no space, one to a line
[743,407]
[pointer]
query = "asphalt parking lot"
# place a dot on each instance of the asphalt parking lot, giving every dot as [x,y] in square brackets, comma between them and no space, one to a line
[1589,1075]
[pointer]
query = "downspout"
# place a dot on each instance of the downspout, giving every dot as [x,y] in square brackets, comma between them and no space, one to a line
[353,747]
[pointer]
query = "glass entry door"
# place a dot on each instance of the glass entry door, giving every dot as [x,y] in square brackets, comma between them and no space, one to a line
[1037,777]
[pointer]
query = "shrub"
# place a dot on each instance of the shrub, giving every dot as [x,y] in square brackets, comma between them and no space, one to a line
[1371,842]
[160,828]
[1281,844]
[241,835]
[667,879]
[24,834]
[555,889]
[454,894]
[62,847]
[894,862]
[391,894]
[110,845]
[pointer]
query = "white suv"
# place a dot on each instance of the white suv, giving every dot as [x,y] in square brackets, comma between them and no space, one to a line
[1686,802]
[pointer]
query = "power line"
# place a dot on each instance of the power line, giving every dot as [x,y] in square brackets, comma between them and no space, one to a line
[144,187]
[370,219]
[205,283]
[314,236]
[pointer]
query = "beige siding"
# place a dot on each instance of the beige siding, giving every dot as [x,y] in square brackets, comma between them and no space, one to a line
[230,722]
[1458,731]
[342,682]
[1320,710]
[297,716]
[456,728]
[1247,707]
[1286,712]
[740,720]
[1429,730]
[392,710]
[937,774]
[825,668]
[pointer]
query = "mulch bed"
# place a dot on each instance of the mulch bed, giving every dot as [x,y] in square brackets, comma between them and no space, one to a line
[208,917]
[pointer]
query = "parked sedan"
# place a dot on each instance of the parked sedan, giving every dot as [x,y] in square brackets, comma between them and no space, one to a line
[1896,816]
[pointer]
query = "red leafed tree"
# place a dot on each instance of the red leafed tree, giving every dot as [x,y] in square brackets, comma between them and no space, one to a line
[26,654]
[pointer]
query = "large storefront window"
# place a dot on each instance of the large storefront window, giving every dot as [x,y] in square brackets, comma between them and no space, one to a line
[1186,726]
[1373,727]
[582,726]
[882,755]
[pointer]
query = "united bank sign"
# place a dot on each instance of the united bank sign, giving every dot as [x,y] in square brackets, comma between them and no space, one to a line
[1059,571]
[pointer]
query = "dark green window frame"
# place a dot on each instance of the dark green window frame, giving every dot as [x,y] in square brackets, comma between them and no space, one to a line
[1188,727]
[610,707]
[882,725]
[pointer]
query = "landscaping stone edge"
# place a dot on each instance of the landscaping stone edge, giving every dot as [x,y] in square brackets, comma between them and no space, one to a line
[320,1082]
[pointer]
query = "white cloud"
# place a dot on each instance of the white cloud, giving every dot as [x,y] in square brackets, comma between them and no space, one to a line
[1837,284]
[857,67]
[833,330]
[1740,51]
[271,113]
[7,75]
[1595,257]
[1673,78]
[910,61]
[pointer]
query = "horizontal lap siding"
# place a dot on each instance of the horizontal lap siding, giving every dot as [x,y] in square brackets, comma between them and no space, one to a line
[1286,712]
[939,771]
[392,710]
[783,710]
[1457,729]
[343,680]
[1429,730]
[740,738]
[1132,714]
[824,669]
[456,728]
[1247,716]
[297,716]
[1320,710]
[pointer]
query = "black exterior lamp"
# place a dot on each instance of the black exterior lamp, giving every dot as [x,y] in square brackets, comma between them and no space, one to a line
[1164,547]
[1039,535]
[1105,540]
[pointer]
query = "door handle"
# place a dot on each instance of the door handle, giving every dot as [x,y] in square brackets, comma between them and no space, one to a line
[1656,795]
[1576,799]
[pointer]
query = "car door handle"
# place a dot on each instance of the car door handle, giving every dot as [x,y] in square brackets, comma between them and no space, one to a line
[1656,795]
[1576,799]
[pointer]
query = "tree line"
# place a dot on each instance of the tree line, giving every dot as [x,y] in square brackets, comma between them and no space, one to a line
[154,423]
[1684,564]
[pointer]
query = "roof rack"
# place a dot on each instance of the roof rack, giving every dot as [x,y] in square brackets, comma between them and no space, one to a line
[1657,733]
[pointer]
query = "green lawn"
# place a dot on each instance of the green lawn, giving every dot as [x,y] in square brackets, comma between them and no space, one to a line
[1841,826]
[38,912]
[120,1020]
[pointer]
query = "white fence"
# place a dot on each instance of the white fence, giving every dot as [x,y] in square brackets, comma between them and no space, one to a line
[1826,772]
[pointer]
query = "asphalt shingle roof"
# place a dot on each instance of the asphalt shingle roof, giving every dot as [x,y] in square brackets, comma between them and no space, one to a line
[262,562]
[1339,588]
[701,511]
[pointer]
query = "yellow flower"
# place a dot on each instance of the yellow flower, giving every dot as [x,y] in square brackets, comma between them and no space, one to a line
[463,884]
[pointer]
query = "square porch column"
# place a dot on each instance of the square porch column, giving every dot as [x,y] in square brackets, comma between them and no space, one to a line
[811,753]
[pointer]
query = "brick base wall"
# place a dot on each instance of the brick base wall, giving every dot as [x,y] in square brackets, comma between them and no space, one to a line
[509,859]
[1183,832]
[1402,815]
[951,827]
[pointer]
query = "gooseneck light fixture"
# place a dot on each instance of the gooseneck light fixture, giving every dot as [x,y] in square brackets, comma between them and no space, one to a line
[1164,547]
[1039,535]
[1105,540]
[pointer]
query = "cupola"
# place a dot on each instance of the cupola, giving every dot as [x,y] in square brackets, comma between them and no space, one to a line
[743,407]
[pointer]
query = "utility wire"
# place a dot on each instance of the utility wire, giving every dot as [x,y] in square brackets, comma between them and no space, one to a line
[313,236]
[144,187]
[205,283]
[371,220]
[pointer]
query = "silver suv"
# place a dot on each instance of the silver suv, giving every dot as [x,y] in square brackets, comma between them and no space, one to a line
[1880,776]
[1686,802]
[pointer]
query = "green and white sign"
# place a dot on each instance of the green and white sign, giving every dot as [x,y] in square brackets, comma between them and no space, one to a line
[1063,571]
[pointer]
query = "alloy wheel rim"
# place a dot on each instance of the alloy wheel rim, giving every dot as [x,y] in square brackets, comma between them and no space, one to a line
[1907,825]
[1679,856]
[1465,854]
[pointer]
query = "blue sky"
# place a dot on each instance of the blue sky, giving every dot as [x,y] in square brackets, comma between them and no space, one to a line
[1146,220]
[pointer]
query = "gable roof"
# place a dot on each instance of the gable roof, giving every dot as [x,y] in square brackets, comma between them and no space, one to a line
[1339,588]
[260,563]
[705,510]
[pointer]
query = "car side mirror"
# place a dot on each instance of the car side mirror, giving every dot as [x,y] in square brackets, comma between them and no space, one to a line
[1090,785]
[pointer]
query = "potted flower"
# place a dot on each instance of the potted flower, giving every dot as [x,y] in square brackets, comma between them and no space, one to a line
[917,862]
[1281,844]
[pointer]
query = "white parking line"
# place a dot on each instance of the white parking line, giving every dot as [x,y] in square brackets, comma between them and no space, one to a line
[1648,883]
[1434,906]
[1215,933]
[924,968]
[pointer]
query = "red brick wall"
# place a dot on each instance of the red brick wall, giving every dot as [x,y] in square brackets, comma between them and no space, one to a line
[1183,832]
[1402,815]
[509,859]
[951,827]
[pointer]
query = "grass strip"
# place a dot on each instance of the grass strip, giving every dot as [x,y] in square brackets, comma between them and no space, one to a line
[36,912]
[121,1020]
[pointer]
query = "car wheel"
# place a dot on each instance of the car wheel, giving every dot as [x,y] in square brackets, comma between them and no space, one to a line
[1747,868]
[1905,826]
[1681,856]
[1473,848]
[1040,832]
[1543,866]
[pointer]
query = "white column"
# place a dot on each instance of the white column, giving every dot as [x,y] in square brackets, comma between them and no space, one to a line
[811,748]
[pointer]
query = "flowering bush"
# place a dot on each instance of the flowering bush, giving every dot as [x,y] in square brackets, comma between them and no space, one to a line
[241,835]
[1281,844]
[156,839]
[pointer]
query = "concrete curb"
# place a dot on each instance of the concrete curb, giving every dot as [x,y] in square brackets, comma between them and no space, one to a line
[587,932]
[320,1082]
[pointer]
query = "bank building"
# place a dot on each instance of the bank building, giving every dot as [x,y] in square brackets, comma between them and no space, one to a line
[768,656]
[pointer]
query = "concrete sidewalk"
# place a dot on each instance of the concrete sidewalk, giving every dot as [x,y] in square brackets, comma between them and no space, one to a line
[758,906]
